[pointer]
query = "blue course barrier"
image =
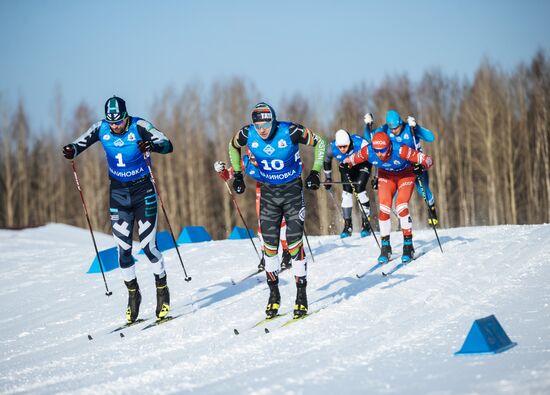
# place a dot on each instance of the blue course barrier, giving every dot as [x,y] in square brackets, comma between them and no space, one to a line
[486,337]
[240,233]
[109,259]
[164,241]
[193,234]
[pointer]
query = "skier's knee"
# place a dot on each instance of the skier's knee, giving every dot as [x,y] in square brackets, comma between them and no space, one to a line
[299,267]
[347,200]
[125,258]
[272,263]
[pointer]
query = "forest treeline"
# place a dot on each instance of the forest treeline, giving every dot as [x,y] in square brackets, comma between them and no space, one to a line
[491,152]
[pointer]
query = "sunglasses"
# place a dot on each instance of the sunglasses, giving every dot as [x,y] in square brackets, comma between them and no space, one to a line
[263,125]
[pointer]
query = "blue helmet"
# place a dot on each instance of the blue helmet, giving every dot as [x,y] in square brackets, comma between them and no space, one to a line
[393,119]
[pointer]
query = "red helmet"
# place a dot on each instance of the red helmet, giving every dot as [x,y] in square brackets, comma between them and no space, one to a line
[381,142]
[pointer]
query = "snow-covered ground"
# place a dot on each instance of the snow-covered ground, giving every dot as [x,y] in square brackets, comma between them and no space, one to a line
[377,334]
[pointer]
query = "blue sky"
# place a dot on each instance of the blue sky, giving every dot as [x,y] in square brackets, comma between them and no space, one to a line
[137,49]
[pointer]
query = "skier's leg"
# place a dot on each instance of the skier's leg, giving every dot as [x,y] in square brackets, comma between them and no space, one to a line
[286,261]
[122,222]
[362,178]
[270,223]
[386,189]
[347,203]
[144,199]
[294,213]
[261,265]
[425,179]
[405,187]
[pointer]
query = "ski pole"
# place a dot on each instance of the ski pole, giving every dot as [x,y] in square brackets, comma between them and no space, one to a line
[108,293]
[361,208]
[424,196]
[338,182]
[241,215]
[429,210]
[146,156]
[308,246]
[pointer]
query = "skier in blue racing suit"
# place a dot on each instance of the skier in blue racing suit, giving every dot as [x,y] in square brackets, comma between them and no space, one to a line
[133,199]
[274,145]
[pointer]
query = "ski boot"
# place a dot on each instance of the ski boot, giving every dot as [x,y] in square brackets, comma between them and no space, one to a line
[274,300]
[300,307]
[385,252]
[408,250]
[261,265]
[286,262]
[134,300]
[432,216]
[348,228]
[365,228]
[163,297]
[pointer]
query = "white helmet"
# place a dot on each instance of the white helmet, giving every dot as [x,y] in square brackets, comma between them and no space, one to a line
[342,138]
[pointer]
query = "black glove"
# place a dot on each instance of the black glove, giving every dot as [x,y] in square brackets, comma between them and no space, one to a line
[69,151]
[238,182]
[328,186]
[145,146]
[313,181]
[418,169]
[374,183]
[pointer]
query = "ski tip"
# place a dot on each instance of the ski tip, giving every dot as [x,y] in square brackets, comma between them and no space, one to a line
[90,337]
[266,330]
[235,331]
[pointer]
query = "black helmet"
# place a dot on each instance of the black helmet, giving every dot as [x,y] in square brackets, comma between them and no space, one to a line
[115,109]
[263,112]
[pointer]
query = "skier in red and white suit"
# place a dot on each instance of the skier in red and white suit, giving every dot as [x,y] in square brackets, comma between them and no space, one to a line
[395,173]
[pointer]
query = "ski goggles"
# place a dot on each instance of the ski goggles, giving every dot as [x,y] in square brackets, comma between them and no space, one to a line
[117,122]
[381,151]
[263,125]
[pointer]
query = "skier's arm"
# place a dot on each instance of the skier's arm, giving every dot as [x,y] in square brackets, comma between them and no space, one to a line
[87,139]
[327,163]
[359,157]
[414,156]
[419,132]
[424,134]
[237,142]
[302,135]
[327,166]
[160,143]
[369,123]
